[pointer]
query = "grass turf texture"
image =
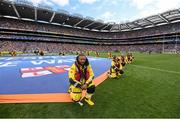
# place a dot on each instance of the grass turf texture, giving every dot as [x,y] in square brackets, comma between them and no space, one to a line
[140,92]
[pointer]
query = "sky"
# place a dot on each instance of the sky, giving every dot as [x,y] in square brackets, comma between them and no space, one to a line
[118,11]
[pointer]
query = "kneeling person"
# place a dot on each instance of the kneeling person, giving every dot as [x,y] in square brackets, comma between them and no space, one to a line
[80,77]
[116,68]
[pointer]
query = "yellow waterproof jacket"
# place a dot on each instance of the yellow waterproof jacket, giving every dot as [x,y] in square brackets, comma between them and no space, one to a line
[79,75]
[116,65]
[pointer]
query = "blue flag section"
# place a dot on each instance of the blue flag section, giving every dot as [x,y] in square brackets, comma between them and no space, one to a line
[39,75]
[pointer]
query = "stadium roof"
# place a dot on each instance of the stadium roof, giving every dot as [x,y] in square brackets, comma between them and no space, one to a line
[24,10]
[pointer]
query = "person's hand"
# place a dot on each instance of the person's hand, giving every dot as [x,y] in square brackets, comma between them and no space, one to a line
[84,87]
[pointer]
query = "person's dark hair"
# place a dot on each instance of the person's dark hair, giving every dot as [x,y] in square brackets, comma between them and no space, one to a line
[86,62]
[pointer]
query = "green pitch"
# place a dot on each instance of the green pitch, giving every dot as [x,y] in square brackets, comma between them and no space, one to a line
[150,88]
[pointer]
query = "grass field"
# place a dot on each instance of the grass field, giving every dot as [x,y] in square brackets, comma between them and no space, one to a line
[149,88]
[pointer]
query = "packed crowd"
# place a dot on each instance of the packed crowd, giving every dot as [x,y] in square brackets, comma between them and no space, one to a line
[30,47]
[42,27]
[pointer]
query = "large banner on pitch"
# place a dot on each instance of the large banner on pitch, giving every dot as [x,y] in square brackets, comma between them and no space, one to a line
[38,75]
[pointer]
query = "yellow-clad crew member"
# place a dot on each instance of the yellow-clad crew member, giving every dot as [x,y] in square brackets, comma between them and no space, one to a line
[129,58]
[97,53]
[116,68]
[123,61]
[80,77]
[87,52]
[13,53]
[119,63]
[77,52]
[119,66]
[109,55]
[132,56]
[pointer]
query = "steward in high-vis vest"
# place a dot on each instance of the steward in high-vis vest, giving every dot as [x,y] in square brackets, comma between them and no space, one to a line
[80,78]
[123,60]
[129,58]
[109,55]
[116,68]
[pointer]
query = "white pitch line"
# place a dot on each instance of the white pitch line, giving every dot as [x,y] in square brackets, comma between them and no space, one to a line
[168,71]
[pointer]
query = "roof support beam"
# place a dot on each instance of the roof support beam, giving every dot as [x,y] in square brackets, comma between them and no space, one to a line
[35,14]
[89,24]
[105,27]
[78,22]
[64,22]
[149,22]
[115,26]
[137,25]
[119,27]
[52,17]
[128,26]
[111,28]
[16,11]
[163,18]
[98,26]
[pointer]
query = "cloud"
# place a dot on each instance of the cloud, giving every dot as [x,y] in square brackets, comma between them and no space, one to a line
[109,17]
[51,3]
[87,1]
[152,7]
[114,10]
[112,2]
[141,4]
[36,2]
[61,2]
[73,8]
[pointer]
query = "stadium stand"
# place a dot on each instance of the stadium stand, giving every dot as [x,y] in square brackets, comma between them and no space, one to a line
[24,28]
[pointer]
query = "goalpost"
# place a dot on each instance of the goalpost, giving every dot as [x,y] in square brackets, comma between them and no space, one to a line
[170,51]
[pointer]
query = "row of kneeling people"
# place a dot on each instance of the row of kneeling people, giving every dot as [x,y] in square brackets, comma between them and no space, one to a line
[118,63]
[81,77]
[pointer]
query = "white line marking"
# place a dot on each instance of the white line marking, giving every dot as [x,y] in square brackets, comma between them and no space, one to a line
[168,71]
